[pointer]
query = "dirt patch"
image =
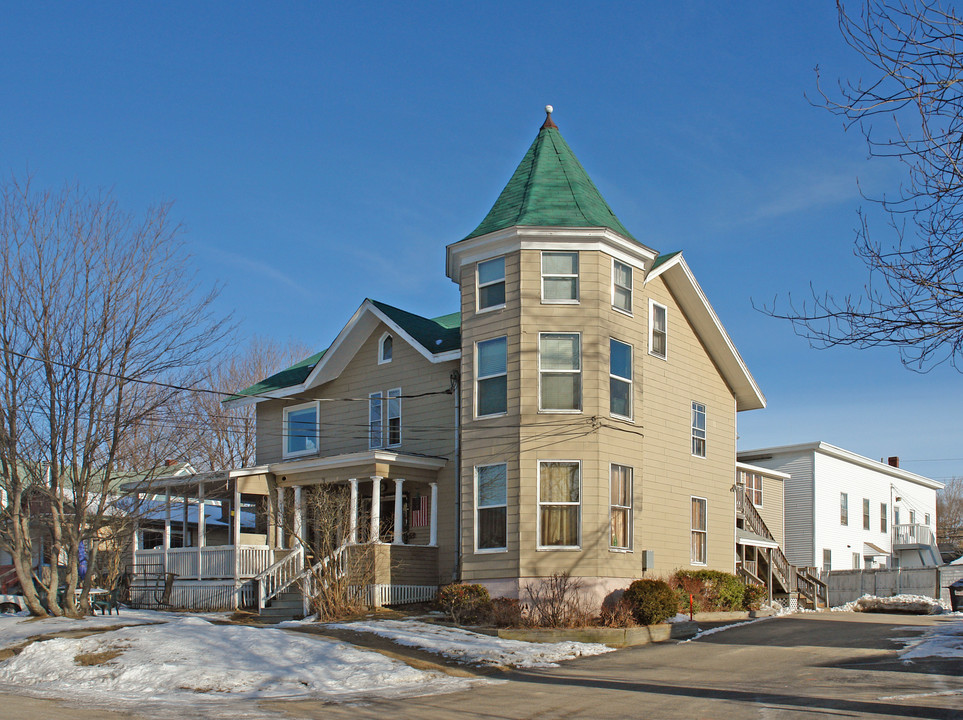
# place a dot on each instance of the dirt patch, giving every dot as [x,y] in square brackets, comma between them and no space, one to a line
[97,658]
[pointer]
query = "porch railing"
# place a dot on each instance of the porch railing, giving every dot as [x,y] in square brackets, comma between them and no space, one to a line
[279,577]
[216,561]
[912,535]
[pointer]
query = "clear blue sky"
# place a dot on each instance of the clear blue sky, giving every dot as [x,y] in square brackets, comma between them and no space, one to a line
[319,153]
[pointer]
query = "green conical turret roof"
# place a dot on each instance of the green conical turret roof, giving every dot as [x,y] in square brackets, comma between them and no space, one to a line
[550,188]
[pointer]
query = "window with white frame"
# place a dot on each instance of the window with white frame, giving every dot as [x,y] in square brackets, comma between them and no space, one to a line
[491,284]
[375,412]
[394,417]
[620,379]
[753,484]
[882,517]
[620,520]
[491,507]
[491,377]
[912,517]
[560,277]
[385,349]
[857,561]
[559,504]
[698,429]
[622,286]
[827,559]
[866,514]
[560,372]
[301,429]
[843,509]
[699,525]
[927,521]
[658,329]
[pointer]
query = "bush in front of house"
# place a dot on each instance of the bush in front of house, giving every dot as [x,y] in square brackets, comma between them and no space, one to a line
[465,603]
[755,596]
[711,589]
[651,601]
[507,613]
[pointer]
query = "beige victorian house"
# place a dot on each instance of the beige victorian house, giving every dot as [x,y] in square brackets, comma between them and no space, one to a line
[577,415]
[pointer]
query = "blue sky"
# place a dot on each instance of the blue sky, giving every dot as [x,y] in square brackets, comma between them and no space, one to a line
[319,153]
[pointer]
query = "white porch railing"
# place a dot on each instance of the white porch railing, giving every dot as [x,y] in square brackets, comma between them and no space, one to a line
[217,561]
[914,534]
[279,577]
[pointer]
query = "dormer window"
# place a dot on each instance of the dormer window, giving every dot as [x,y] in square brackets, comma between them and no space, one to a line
[385,349]
[491,284]
[559,277]
[301,430]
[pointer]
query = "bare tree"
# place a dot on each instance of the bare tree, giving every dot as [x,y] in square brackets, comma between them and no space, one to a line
[913,298]
[949,516]
[100,323]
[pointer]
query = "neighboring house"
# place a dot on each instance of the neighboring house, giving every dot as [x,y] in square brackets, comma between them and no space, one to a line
[577,415]
[844,511]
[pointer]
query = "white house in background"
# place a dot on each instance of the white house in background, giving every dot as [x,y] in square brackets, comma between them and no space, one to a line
[844,511]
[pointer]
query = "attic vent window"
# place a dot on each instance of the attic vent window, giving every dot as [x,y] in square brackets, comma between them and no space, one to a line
[385,349]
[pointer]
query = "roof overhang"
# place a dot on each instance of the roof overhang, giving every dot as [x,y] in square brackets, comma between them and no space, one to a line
[870,550]
[744,537]
[369,457]
[526,237]
[681,282]
[182,482]
[768,472]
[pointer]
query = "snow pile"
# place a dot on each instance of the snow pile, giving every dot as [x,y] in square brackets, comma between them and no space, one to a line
[945,640]
[910,604]
[15,629]
[474,648]
[176,661]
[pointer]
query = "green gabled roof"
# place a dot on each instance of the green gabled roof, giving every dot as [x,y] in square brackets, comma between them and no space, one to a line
[664,259]
[436,335]
[294,375]
[550,188]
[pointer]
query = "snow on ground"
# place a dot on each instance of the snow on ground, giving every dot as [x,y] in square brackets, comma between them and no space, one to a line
[945,640]
[918,604]
[474,648]
[188,661]
[713,631]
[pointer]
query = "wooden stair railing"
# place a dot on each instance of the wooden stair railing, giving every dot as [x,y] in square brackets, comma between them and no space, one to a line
[277,578]
[782,570]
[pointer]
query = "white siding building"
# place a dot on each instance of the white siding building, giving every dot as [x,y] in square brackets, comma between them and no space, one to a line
[844,511]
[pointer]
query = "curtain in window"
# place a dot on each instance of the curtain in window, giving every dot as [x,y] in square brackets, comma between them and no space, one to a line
[621,505]
[559,483]
[698,530]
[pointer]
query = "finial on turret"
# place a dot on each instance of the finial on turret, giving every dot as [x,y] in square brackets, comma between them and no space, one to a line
[549,123]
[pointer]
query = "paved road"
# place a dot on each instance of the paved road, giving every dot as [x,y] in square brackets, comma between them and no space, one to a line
[829,665]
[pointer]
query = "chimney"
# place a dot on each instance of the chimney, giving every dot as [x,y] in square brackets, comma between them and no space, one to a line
[893,461]
[170,463]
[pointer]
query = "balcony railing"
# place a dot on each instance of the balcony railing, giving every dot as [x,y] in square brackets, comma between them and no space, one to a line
[910,536]
[216,561]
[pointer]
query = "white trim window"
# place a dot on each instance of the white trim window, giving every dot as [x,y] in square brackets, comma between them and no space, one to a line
[866,520]
[753,484]
[560,372]
[491,377]
[560,277]
[658,330]
[559,504]
[620,511]
[620,379]
[375,428]
[699,531]
[926,520]
[490,281]
[883,525]
[394,417]
[698,429]
[301,429]
[491,508]
[385,349]
[843,508]
[827,559]
[621,286]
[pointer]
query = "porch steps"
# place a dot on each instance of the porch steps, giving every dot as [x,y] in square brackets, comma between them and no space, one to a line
[287,605]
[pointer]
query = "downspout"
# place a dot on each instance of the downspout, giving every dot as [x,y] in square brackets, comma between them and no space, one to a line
[456,391]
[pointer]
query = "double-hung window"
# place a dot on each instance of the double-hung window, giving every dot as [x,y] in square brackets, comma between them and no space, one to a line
[620,519]
[301,429]
[658,329]
[491,373]
[621,286]
[698,429]
[754,487]
[620,379]
[559,502]
[882,517]
[843,509]
[827,559]
[491,284]
[699,525]
[560,277]
[491,507]
[560,372]
[375,411]
[394,417]
[865,513]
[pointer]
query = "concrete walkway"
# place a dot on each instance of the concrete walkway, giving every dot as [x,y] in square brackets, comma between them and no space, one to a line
[826,665]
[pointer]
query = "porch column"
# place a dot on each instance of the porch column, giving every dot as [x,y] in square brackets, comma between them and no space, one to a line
[201,530]
[770,576]
[279,530]
[375,509]
[184,523]
[433,534]
[167,526]
[298,520]
[236,530]
[135,546]
[353,512]
[398,538]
